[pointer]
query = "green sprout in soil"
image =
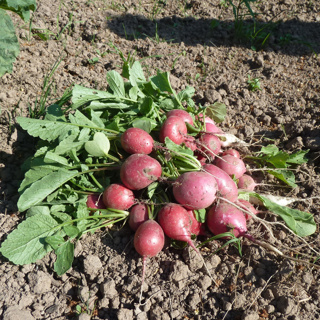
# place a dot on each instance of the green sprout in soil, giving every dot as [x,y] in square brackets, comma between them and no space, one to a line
[253,84]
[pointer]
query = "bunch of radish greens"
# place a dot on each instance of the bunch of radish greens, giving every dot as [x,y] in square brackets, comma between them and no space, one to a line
[143,153]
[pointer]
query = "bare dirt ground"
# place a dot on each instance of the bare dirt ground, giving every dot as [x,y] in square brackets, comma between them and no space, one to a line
[194,40]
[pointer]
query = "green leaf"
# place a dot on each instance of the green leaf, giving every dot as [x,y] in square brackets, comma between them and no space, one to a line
[65,256]
[82,95]
[286,176]
[99,146]
[167,104]
[200,215]
[52,157]
[105,105]
[152,188]
[186,94]
[300,222]
[136,74]
[54,112]
[217,112]
[71,231]
[278,160]
[9,45]
[40,189]
[35,174]
[116,83]
[270,149]
[20,7]
[80,119]
[47,130]
[162,81]
[298,157]
[146,106]
[55,241]
[26,244]
[43,210]
[177,148]
[145,124]
[82,212]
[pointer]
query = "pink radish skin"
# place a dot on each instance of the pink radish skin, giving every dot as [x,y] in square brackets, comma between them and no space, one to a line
[117,196]
[211,144]
[231,165]
[212,128]
[149,239]
[232,152]
[95,201]
[227,188]
[148,242]
[175,129]
[136,140]
[246,182]
[176,223]
[138,214]
[225,217]
[184,115]
[139,170]
[247,206]
[195,190]
[195,224]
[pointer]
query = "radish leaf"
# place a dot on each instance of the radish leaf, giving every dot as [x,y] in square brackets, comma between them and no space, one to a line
[65,255]
[99,146]
[9,45]
[26,243]
[116,83]
[300,222]
[40,189]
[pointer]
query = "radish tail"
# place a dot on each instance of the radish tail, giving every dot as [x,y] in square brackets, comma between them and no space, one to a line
[191,244]
[144,265]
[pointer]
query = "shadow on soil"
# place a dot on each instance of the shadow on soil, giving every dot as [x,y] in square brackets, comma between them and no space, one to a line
[291,37]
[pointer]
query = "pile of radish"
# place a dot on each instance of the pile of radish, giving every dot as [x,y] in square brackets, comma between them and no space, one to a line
[211,188]
[143,153]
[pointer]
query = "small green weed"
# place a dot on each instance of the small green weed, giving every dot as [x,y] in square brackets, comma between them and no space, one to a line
[245,30]
[253,84]
[39,108]
[93,60]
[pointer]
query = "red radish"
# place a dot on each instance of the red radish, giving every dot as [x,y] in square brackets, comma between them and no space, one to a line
[231,165]
[148,242]
[184,115]
[149,239]
[175,129]
[176,223]
[210,144]
[195,190]
[246,182]
[195,224]
[246,205]
[232,152]
[227,188]
[95,201]
[138,215]
[225,217]
[136,140]
[212,128]
[117,196]
[139,170]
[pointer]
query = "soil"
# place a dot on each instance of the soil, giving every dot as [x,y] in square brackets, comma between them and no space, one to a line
[196,41]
